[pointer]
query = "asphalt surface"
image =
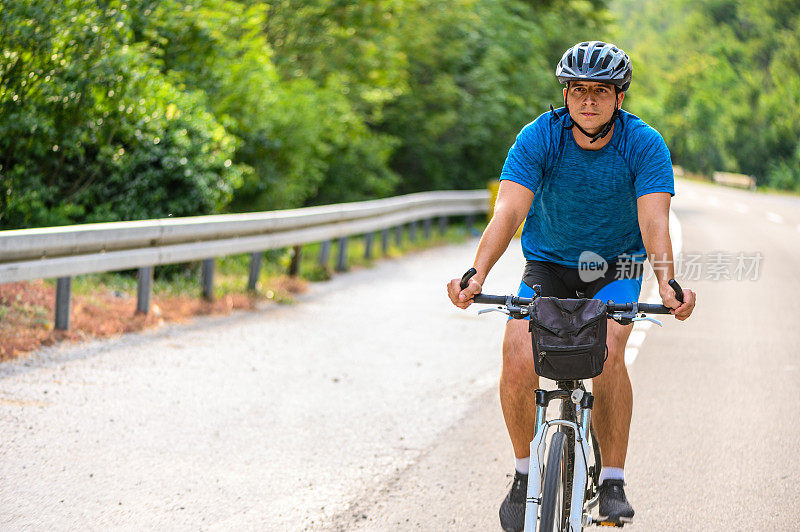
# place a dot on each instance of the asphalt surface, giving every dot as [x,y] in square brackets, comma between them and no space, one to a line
[372,404]
[271,420]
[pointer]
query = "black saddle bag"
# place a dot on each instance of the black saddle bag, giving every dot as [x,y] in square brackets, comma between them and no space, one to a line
[569,337]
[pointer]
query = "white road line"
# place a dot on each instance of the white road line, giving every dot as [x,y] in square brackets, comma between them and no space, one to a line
[654,296]
[640,327]
[676,233]
[636,338]
[654,299]
[775,217]
[741,207]
[630,355]
[713,201]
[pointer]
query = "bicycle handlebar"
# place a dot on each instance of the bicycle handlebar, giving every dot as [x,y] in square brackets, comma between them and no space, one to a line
[515,301]
[501,300]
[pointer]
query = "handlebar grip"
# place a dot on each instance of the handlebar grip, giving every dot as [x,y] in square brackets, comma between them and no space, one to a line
[649,308]
[678,290]
[489,299]
[466,277]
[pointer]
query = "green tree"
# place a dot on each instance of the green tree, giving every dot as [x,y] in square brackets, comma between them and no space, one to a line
[89,130]
[112,111]
[479,71]
[304,139]
[720,79]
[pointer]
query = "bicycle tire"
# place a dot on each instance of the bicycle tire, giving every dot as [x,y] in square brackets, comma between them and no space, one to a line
[568,464]
[594,481]
[553,485]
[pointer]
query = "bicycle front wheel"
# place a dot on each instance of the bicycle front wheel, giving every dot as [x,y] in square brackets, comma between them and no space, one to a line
[553,490]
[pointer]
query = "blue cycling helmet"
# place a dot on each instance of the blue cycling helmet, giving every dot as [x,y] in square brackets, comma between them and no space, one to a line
[595,61]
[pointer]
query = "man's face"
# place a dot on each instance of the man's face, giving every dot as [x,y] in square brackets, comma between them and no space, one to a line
[591,103]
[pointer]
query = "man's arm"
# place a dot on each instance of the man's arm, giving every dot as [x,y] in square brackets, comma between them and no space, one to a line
[653,211]
[510,209]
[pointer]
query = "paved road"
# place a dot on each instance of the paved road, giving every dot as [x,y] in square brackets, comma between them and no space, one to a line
[372,404]
[273,420]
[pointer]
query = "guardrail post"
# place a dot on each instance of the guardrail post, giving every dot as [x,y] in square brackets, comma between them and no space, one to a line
[325,253]
[385,241]
[368,239]
[208,279]
[469,220]
[144,288]
[398,235]
[427,223]
[297,257]
[63,302]
[255,270]
[442,224]
[412,231]
[341,259]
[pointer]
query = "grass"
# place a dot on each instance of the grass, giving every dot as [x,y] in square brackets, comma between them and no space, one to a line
[766,189]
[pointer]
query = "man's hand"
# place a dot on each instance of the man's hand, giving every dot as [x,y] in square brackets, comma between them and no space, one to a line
[462,298]
[680,310]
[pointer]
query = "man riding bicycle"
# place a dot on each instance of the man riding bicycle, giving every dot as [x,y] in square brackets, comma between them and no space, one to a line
[593,185]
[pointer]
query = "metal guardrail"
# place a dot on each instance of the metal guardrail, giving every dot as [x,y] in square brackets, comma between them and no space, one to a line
[734,180]
[62,252]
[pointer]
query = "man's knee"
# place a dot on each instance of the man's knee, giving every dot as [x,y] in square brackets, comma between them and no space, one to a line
[616,340]
[614,366]
[615,361]
[518,369]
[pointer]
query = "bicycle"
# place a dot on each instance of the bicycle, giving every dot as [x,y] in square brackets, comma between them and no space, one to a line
[564,483]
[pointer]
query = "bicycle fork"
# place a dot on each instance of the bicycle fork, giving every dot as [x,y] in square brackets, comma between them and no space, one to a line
[585,401]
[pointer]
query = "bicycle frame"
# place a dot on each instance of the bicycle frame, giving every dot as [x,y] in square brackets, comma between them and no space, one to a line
[580,472]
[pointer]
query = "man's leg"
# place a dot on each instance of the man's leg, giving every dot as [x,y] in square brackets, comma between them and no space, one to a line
[518,381]
[612,422]
[613,404]
[517,384]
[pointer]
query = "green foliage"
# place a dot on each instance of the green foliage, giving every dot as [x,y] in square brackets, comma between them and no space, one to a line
[113,111]
[719,78]
[353,47]
[479,70]
[88,129]
[304,139]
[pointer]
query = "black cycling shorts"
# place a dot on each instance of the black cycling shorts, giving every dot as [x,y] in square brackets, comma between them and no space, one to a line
[565,283]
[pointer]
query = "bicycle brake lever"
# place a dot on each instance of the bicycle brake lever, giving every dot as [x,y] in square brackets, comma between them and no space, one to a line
[500,310]
[623,318]
[648,318]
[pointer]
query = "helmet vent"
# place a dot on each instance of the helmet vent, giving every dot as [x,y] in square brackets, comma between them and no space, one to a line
[595,55]
[581,53]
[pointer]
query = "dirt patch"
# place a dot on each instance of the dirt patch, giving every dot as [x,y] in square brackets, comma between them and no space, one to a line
[27,312]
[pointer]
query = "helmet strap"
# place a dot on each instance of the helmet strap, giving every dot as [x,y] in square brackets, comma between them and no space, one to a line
[603,132]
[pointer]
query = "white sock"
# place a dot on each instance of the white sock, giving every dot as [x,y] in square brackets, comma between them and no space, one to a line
[612,473]
[523,464]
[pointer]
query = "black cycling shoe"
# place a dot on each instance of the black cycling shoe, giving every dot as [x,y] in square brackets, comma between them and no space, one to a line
[614,506]
[512,509]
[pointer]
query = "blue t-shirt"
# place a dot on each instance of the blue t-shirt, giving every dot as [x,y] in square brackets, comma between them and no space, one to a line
[586,200]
